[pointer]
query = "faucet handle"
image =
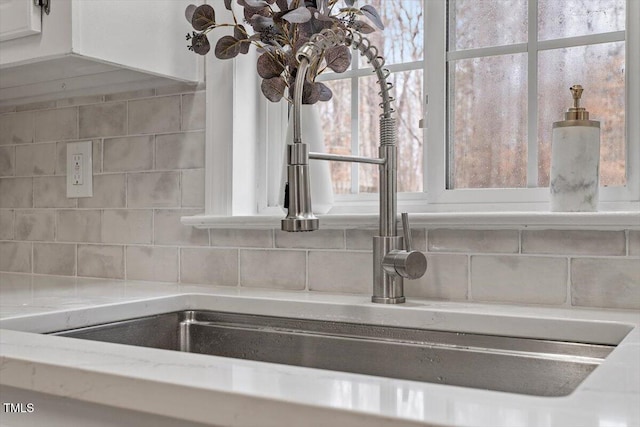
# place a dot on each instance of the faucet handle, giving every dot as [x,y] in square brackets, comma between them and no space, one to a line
[406,231]
[407,263]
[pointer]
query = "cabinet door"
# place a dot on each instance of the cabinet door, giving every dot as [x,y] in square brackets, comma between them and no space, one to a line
[18,18]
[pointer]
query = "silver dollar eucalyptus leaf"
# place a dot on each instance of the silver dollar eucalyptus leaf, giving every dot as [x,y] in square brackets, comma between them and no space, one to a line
[298,16]
[203,17]
[227,4]
[350,3]
[227,47]
[362,27]
[325,93]
[240,33]
[338,58]
[273,88]
[188,12]
[268,66]
[371,13]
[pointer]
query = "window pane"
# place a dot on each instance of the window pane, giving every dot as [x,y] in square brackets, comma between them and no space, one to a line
[568,18]
[408,106]
[402,39]
[483,23]
[488,122]
[335,115]
[369,128]
[600,70]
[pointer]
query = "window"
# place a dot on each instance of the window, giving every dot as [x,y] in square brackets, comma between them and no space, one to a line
[488,95]
[495,90]
[351,117]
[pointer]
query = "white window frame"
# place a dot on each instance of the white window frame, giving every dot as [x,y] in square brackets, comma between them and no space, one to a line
[533,198]
[241,168]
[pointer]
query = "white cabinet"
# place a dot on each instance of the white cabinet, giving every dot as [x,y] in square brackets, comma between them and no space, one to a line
[18,18]
[93,47]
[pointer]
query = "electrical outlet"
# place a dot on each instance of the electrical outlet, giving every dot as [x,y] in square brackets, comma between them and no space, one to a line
[79,169]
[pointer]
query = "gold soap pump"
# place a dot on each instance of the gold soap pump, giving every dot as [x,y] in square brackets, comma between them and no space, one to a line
[576,115]
[575,159]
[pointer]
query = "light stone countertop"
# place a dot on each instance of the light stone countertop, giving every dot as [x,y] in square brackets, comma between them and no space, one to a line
[208,390]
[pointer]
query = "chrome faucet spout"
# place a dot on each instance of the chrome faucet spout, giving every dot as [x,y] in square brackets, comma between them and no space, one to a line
[391,263]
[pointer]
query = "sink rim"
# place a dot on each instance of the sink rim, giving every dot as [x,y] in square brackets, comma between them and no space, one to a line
[441,315]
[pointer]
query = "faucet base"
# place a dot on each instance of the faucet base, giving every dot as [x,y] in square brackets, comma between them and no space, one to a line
[299,224]
[386,300]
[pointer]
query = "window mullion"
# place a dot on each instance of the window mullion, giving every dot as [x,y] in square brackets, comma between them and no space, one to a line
[355,120]
[532,95]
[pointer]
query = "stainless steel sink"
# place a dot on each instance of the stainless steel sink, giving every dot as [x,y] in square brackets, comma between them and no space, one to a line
[516,365]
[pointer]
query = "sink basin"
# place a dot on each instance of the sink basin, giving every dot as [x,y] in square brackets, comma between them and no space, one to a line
[516,365]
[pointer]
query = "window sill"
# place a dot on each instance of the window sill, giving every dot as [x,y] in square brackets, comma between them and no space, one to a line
[564,220]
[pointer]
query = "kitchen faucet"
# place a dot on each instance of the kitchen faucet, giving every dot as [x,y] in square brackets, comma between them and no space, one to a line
[391,262]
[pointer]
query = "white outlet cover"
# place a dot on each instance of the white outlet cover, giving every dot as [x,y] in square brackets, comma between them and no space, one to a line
[85,188]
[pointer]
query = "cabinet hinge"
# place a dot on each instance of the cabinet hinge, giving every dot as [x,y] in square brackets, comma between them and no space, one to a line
[44,4]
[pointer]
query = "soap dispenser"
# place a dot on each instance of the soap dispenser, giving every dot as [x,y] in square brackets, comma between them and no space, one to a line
[575,159]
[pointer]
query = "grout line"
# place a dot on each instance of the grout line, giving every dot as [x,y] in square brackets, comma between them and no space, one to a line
[568,301]
[627,243]
[469,288]
[239,284]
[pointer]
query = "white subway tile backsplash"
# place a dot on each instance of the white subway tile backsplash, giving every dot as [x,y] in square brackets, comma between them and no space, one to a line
[209,266]
[606,282]
[54,258]
[573,242]
[128,154]
[56,125]
[17,128]
[35,225]
[41,105]
[15,257]
[35,159]
[6,224]
[80,100]
[362,238]
[193,111]
[16,192]
[78,226]
[319,239]
[51,192]
[101,261]
[333,271]
[462,240]
[7,160]
[519,279]
[447,278]
[109,191]
[152,263]
[133,94]
[273,269]
[241,238]
[148,166]
[169,231]
[192,184]
[154,115]
[634,242]
[180,151]
[153,189]
[127,226]
[98,120]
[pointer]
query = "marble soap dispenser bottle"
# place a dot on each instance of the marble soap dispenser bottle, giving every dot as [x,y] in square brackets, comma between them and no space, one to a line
[575,159]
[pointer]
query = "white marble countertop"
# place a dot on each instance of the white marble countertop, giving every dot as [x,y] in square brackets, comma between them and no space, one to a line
[215,390]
